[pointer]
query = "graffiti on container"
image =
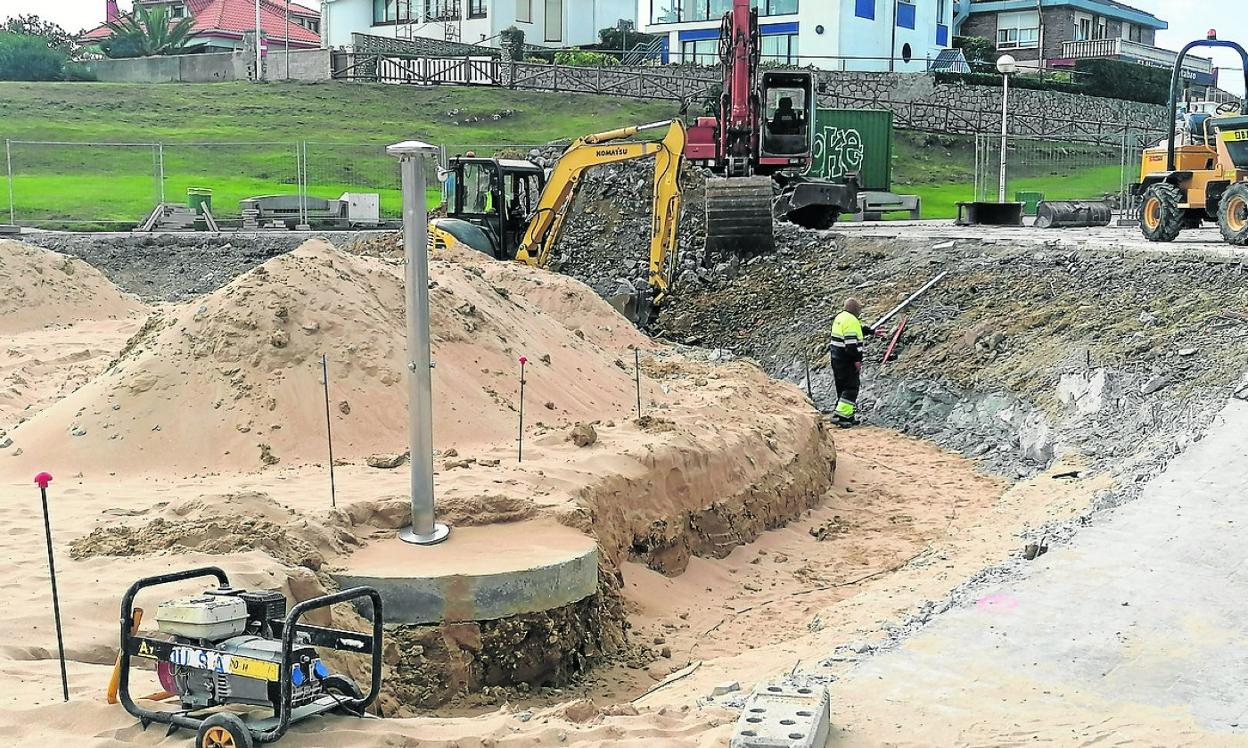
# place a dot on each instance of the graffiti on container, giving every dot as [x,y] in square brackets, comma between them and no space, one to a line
[838,151]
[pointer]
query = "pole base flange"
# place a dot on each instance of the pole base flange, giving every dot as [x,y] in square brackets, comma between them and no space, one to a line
[439,534]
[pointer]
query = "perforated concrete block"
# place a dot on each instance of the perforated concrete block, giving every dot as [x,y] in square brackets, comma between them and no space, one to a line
[783,715]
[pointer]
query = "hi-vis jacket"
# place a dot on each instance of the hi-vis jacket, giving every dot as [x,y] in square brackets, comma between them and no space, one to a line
[848,335]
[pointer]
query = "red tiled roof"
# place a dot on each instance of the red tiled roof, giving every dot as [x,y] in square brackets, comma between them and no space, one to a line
[233,17]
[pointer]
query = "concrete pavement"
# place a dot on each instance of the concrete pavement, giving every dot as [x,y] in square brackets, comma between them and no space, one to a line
[1143,616]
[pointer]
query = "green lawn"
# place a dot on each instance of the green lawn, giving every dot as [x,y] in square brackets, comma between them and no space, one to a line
[346,128]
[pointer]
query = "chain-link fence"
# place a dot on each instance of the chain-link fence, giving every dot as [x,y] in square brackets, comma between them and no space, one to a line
[1038,169]
[115,185]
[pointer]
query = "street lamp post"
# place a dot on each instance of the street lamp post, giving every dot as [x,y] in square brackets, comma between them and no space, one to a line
[1007,66]
[425,530]
[259,62]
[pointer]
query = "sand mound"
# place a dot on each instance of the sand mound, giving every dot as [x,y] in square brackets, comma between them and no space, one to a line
[43,288]
[232,380]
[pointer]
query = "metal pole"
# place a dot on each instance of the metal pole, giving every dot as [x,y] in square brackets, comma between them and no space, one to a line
[161,156]
[8,159]
[424,530]
[287,39]
[42,480]
[1005,114]
[910,300]
[637,373]
[520,441]
[329,432]
[810,391]
[259,76]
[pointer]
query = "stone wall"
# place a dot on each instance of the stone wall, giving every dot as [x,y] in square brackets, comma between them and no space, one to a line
[916,100]
[418,47]
[919,103]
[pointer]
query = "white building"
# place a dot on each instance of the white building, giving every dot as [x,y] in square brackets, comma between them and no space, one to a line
[550,23]
[875,35]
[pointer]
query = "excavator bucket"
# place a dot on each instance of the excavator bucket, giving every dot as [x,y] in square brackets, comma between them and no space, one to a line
[638,308]
[739,216]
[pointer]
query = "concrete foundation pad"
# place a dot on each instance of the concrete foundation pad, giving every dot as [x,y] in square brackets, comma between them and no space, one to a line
[783,715]
[479,574]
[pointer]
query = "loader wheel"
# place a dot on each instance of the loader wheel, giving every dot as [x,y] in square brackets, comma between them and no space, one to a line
[223,730]
[1233,214]
[1161,218]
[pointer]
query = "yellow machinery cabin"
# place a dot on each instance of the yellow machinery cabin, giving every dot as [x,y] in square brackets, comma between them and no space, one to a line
[1200,174]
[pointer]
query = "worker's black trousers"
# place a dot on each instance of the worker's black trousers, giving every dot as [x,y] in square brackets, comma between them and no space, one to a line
[848,380]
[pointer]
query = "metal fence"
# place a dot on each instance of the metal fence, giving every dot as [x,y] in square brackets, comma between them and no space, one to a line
[115,185]
[1060,169]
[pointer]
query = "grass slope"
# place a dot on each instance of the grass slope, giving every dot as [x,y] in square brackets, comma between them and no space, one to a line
[346,128]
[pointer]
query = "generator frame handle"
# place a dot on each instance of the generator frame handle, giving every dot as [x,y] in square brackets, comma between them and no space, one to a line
[291,628]
[127,618]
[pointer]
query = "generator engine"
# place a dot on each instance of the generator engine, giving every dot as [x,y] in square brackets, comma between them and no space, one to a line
[225,650]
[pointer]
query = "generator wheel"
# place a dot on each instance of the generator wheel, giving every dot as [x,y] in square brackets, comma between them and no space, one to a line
[223,730]
[1233,214]
[1161,218]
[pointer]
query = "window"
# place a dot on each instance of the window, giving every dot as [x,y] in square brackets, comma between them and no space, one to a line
[1126,30]
[554,20]
[905,14]
[524,11]
[779,48]
[441,10]
[391,11]
[1018,30]
[683,11]
[700,52]
[1089,27]
[177,11]
[477,190]
[865,9]
[476,8]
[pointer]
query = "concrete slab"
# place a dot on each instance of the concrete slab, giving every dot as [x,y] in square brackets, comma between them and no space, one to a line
[783,715]
[1144,608]
[479,574]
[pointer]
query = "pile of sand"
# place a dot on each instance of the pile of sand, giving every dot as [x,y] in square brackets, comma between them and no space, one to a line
[43,288]
[232,380]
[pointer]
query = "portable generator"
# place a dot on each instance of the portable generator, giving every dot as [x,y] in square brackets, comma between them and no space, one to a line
[234,647]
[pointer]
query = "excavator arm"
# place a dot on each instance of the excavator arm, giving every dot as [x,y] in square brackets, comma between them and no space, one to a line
[606,148]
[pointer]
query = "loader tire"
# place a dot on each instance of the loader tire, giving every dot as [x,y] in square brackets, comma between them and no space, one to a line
[1161,218]
[1233,214]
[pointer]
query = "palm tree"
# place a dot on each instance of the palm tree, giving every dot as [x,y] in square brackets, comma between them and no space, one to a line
[146,32]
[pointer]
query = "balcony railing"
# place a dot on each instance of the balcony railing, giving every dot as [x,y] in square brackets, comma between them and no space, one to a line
[1144,53]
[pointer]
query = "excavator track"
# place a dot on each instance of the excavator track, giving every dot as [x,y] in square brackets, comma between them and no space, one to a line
[739,216]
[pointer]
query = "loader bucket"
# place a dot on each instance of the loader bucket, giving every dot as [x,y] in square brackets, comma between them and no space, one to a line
[1070,214]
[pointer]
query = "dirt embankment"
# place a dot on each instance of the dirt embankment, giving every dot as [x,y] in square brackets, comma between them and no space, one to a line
[1020,355]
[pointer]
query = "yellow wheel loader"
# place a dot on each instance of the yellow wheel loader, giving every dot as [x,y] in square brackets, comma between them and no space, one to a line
[511,210]
[1199,174]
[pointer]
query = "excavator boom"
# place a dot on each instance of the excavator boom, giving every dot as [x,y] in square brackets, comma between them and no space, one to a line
[614,147]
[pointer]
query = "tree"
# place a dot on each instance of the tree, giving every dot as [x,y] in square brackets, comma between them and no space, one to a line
[614,39]
[53,35]
[24,57]
[146,32]
[981,53]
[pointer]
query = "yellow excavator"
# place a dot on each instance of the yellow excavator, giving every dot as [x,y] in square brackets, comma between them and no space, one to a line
[511,210]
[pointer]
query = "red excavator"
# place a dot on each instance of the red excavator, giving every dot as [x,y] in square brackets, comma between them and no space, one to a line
[760,146]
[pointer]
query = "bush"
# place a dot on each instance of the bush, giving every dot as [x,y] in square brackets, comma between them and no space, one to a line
[980,52]
[585,58]
[28,58]
[512,40]
[1017,81]
[1124,80]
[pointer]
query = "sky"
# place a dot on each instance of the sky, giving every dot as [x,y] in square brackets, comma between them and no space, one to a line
[1189,19]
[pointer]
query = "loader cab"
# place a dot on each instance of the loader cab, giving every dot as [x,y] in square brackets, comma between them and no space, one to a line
[496,196]
[788,116]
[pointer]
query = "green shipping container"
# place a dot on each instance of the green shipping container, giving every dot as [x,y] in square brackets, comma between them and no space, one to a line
[854,140]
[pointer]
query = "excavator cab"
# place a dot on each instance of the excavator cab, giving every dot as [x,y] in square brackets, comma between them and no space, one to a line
[788,118]
[490,204]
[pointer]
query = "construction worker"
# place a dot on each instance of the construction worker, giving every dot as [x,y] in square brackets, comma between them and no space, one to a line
[848,337]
